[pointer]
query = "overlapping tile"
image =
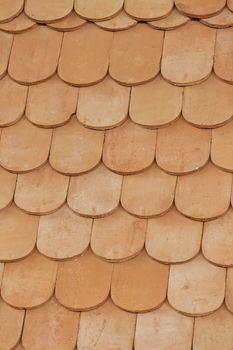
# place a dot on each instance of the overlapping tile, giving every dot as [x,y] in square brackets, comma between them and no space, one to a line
[229,289]
[10,9]
[174,20]
[120,22]
[6,41]
[99,10]
[69,23]
[223,54]
[48,10]
[198,8]
[6,191]
[18,24]
[222,20]
[149,9]
[222,147]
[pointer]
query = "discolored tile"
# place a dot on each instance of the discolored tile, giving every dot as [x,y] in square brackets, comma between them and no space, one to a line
[76,65]
[188,54]
[69,23]
[107,327]
[6,41]
[50,326]
[24,147]
[135,55]
[29,282]
[181,148]
[223,54]
[205,194]
[119,22]
[129,148]
[63,234]
[104,105]
[48,10]
[10,9]
[41,191]
[196,287]
[222,20]
[173,238]
[119,236]
[148,10]
[174,20]
[7,190]
[145,281]
[149,193]
[198,8]
[39,49]
[18,24]
[75,149]
[222,146]
[156,103]
[83,283]
[96,193]
[98,10]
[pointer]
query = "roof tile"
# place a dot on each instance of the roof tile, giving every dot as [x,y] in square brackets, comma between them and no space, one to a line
[10,9]
[223,54]
[5,49]
[120,22]
[222,20]
[69,23]
[198,8]
[148,9]
[18,24]
[174,20]
[6,191]
[230,4]
[98,10]
[222,146]
[229,289]
[48,10]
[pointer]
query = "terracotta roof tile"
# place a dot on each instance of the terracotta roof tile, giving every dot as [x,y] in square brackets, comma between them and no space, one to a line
[69,23]
[198,8]
[222,146]
[10,9]
[174,20]
[223,54]
[148,10]
[98,10]
[120,22]
[18,24]
[48,10]
[222,20]
[230,4]
[5,49]
[6,191]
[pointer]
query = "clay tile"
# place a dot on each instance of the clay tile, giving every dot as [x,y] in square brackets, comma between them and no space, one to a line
[83,283]
[149,103]
[149,193]
[196,287]
[119,236]
[117,333]
[174,20]
[214,331]
[18,24]
[181,148]
[148,10]
[8,181]
[164,328]
[96,193]
[5,49]
[40,59]
[230,4]
[1,272]
[208,104]
[48,10]
[18,232]
[145,281]
[135,55]
[173,238]
[24,147]
[223,54]
[29,282]
[50,326]
[229,289]
[99,9]
[75,149]
[129,148]
[85,55]
[12,101]
[63,234]
[41,191]
[222,146]
[198,8]
[51,103]
[205,194]
[69,23]
[222,20]
[10,9]
[191,47]
[11,326]
[120,22]
[104,105]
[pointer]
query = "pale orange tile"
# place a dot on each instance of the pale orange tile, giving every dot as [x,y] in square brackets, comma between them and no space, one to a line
[148,9]
[214,331]
[163,329]
[222,146]
[29,282]
[41,191]
[83,283]
[6,41]
[18,24]
[63,234]
[107,327]
[11,321]
[10,9]
[205,194]
[104,105]
[222,20]
[19,347]
[18,233]
[230,4]
[188,53]
[24,147]
[8,181]
[198,8]
[135,55]
[229,289]
[96,193]
[118,236]
[1,272]
[208,104]
[119,22]
[98,10]
[12,101]
[40,59]
[50,326]
[75,149]
[149,103]
[84,56]
[173,238]
[129,148]
[224,54]
[174,20]
[149,193]
[196,287]
[145,281]
[181,148]
[69,23]
[48,10]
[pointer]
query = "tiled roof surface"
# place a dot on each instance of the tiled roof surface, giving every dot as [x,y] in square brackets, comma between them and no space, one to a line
[116,161]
